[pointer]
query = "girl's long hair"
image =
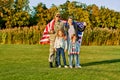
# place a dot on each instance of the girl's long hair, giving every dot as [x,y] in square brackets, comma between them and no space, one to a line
[73,36]
[62,33]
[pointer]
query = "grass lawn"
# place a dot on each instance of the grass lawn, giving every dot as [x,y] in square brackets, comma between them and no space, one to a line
[30,62]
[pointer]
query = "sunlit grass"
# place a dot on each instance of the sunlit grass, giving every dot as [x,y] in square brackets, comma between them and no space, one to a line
[30,62]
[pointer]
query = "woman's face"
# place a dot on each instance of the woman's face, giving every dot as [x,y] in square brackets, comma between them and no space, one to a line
[70,21]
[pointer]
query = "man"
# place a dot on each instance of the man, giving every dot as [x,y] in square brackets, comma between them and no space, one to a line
[58,24]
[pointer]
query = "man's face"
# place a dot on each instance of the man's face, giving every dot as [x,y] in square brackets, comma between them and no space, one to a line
[57,17]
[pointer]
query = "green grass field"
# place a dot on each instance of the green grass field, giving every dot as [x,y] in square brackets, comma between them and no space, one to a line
[30,62]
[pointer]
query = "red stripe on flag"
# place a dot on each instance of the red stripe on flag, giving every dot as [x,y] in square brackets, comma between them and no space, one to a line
[46,37]
[45,42]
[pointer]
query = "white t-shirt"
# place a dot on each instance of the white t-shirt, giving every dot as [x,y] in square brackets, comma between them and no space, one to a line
[71,31]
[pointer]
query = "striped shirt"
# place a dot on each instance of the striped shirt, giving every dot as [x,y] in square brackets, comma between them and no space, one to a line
[74,48]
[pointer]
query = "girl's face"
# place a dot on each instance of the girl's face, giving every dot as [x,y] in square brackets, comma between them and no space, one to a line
[60,33]
[74,38]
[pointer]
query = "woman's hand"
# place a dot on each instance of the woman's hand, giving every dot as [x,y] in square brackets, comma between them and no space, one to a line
[65,50]
[84,23]
[65,37]
[55,49]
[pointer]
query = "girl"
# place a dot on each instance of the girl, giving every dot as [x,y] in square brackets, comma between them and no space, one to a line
[60,46]
[73,52]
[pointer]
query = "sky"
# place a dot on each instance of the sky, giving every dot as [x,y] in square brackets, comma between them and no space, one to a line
[111,4]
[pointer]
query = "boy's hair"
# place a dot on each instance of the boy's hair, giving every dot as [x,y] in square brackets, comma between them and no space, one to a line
[73,36]
[61,31]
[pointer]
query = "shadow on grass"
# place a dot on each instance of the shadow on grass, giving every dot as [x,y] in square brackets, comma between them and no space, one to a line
[101,62]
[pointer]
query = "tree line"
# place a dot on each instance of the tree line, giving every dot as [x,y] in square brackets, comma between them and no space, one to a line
[17,13]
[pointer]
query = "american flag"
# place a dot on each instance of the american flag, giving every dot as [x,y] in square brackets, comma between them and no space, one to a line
[50,26]
[80,34]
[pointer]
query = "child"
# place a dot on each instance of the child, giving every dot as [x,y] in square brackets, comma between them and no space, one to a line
[73,52]
[60,46]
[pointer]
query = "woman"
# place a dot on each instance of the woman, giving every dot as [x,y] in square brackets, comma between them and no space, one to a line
[71,27]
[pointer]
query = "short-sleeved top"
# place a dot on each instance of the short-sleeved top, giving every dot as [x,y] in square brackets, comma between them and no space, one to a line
[58,25]
[71,31]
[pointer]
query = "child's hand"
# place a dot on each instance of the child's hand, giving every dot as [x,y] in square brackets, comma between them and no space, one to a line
[51,31]
[65,37]
[68,54]
[55,49]
[65,50]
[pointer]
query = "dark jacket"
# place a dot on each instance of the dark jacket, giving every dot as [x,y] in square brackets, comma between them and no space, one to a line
[67,28]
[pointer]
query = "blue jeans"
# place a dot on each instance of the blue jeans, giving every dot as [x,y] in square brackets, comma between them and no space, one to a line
[76,58]
[60,51]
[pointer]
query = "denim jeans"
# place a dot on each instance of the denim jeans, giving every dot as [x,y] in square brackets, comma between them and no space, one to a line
[76,58]
[59,52]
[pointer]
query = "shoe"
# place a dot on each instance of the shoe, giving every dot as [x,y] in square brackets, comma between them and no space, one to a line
[51,65]
[65,66]
[56,64]
[70,66]
[78,67]
[59,66]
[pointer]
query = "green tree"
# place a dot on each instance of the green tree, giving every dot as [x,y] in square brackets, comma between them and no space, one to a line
[63,8]
[16,13]
[51,12]
[5,6]
[76,10]
[41,15]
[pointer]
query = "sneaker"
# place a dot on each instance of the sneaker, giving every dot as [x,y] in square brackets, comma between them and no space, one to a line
[70,66]
[66,66]
[56,64]
[78,67]
[59,66]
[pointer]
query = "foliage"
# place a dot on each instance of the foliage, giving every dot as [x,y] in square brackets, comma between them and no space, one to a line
[72,9]
[43,15]
[20,35]
[14,13]
[101,36]
[103,24]
[32,35]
